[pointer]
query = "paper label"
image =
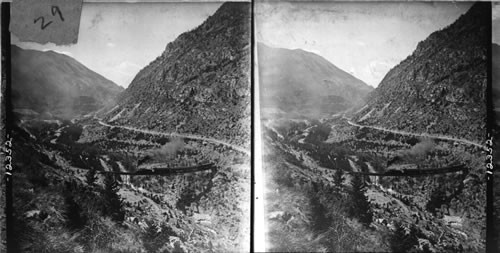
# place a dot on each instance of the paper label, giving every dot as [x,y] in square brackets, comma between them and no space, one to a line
[44,21]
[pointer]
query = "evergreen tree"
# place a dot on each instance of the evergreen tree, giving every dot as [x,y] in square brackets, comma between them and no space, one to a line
[73,212]
[403,239]
[320,221]
[436,199]
[155,237]
[359,206]
[338,179]
[187,196]
[112,200]
[151,237]
[91,177]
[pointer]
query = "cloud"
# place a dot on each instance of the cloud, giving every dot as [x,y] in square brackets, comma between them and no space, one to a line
[352,71]
[96,20]
[360,43]
[378,68]
[123,73]
[374,71]
[312,50]
[61,52]
[127,68]
[110,44]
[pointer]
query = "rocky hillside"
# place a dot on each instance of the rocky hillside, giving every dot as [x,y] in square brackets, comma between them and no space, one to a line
[50,83]
[199,85]
[440,87]
[297,80]
[62,204]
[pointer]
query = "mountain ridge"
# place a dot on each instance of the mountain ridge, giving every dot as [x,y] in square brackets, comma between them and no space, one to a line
[435,89]
[199,84]
[57,84]
[282,86]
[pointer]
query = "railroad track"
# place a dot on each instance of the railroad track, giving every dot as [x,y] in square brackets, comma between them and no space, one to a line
[425,135]
[186,136]
[163,171]
[414,172]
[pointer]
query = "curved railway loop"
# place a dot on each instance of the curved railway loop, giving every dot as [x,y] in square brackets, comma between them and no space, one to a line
[431,136]
[414,172]
[187,136]
[164,171]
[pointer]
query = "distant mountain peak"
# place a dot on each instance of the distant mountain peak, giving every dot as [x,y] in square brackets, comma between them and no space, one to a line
[54,83]
[299,81]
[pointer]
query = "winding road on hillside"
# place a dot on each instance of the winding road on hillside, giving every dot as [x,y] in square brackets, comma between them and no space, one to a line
[163,171]
[187,136]
[432,136]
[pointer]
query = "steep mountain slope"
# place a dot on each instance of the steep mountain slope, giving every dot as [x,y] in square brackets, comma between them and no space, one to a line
[200,84]
[440,88]
[49,82]
[294,80]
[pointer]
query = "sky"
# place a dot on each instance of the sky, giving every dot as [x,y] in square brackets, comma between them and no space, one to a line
[365,39]
[117,40]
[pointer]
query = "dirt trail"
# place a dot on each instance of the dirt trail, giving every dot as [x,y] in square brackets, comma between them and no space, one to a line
[187,136]
[432,136]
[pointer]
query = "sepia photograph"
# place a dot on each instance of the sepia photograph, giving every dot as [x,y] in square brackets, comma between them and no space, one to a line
[137,137]
[373,118]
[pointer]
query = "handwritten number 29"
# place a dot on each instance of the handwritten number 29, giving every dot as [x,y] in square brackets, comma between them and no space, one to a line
[54,10]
